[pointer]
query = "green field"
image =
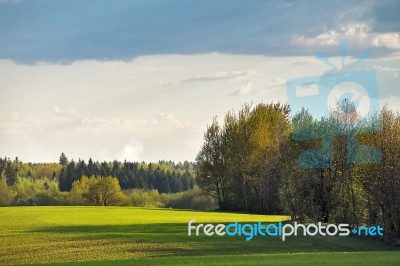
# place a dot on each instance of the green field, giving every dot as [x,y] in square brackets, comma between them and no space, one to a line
[139,236]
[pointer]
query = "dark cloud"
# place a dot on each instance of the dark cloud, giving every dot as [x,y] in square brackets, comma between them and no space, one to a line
[65,31]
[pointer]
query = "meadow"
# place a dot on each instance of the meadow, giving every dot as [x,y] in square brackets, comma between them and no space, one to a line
[140,236]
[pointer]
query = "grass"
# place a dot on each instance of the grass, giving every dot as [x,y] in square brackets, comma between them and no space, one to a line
[139,236]
[351,259]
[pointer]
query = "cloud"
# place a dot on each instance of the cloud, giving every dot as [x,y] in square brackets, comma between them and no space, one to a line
[95,33]
[168,83]
[67,122]
[392,70]
[358,34]
[221,75]
[302,62]
[97,108]
[386,69]
[83,136]
[242,90]
[387,40]
[168,119]
[276,84]
[131,151]
[216,76]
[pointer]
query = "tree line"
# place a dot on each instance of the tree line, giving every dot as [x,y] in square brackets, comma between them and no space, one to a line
[165,176]
[161,184]
[261,160]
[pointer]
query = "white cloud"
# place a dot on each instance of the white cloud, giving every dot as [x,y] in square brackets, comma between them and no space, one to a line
[329,38]
[242,90]
[104,109]
[221,75]
[163,119]
[387,40]
[358,34]
[386,69]
[302,62]
[168,83]
[131,151]
[276,84]
[100,137]
[216,76]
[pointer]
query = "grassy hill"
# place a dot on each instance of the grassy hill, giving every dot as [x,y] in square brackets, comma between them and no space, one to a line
[139,236]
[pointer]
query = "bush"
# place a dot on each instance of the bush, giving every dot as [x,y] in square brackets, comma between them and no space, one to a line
[7,196]
[26,202]
[25,189]
[143,198]
[45,199]
[193,199]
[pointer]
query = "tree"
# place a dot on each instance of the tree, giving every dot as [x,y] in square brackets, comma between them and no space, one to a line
[211,172]
[62,180]
[63,159]
[11,173]
[103,191]
[6,194]
[381,182]
[79,188]
[239,163]
[68,175]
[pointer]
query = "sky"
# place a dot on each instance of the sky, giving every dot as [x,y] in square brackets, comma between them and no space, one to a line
[140,80]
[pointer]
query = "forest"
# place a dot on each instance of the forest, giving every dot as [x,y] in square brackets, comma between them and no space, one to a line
[161,184]
[338,168]
[165,176]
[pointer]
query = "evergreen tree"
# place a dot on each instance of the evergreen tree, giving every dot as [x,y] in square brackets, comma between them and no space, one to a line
[63,160]
[11,174]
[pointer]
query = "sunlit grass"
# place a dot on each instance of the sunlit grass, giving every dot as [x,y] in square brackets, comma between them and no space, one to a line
[71,234]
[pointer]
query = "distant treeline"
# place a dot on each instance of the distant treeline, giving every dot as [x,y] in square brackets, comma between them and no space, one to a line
[164,176]
[250,163]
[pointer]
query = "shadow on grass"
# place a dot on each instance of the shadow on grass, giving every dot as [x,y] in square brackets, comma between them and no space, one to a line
[160,239]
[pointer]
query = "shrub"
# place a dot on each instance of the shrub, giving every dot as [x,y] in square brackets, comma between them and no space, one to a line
[7,196]
[143,198]
[192,199]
